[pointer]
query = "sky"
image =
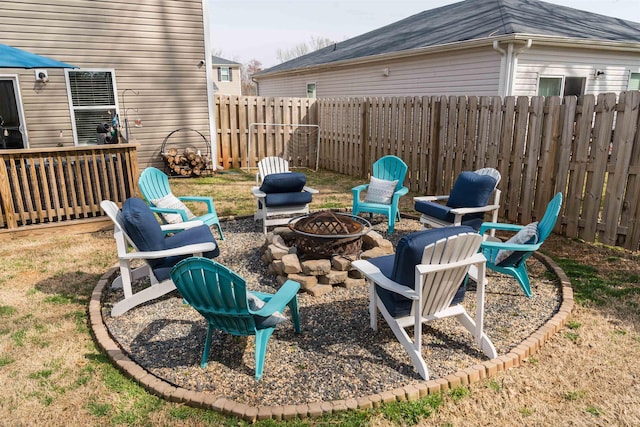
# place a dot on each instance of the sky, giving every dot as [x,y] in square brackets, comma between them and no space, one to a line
[243,30]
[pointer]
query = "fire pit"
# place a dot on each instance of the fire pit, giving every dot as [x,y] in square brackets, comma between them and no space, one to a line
[323,234]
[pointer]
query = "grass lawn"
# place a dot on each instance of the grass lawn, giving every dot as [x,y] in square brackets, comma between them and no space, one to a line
[52,373]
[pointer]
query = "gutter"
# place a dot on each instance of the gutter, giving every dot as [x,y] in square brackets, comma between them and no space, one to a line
[540,40]
[507,74]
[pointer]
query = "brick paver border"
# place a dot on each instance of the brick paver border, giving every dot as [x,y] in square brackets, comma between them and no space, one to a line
[479,372]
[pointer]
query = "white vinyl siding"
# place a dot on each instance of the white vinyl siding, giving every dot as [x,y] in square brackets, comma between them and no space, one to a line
[466,72]
[154,48]
[546,61]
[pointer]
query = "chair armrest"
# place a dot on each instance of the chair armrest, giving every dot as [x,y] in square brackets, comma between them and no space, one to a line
[310,190]
[510,246]
[197,248]
[170,228]
[358,189]
[465,211]
[181,212]
[203,199]
[374,274]
[499,226]
[401,192]
[430,198]
[258,193]
[279,301]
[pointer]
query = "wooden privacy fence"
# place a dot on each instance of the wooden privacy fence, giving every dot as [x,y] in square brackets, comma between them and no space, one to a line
[235,114]
[47,186]
[587,148]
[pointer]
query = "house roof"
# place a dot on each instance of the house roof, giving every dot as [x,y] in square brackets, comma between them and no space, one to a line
[216,60]
[470,20]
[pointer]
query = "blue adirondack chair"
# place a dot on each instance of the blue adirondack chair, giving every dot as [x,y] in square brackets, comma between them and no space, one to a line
[154,186]
[510,257]
[221,297]
[382,196]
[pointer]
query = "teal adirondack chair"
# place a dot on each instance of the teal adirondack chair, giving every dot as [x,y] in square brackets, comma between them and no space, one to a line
[510,257]
[383,201]
[221,297]
[154,186]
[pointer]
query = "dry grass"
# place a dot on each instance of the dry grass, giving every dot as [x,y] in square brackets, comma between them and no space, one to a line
[52,374]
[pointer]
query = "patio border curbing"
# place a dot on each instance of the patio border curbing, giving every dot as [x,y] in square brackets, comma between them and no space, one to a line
[487,369]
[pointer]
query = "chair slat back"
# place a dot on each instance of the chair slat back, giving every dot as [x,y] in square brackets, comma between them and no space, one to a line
[217,293]
[492,172]
[153,184]
[122,239]
[390,168]
[550,217]
[439,288]
[272,164]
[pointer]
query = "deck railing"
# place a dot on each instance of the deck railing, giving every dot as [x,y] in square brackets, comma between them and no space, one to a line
[49,186]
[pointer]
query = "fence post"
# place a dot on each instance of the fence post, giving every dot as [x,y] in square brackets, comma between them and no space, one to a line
[364,138]
[5,195]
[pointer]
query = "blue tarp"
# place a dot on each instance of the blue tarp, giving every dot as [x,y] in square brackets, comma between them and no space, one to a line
[11,57]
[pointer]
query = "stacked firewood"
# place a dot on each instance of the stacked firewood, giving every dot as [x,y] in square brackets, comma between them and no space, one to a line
[191,162]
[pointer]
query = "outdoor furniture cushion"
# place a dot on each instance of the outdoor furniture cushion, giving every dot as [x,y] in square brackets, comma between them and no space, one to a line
[273,200]
[172,202]
[401,267]
[143,228]
[471,190]
[380,191]
[528,235]
[256,304]
[286,182]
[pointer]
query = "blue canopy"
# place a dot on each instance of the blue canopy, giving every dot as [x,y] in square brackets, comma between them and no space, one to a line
[11,57]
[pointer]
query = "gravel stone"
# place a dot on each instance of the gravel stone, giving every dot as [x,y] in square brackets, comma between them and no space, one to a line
[337,355]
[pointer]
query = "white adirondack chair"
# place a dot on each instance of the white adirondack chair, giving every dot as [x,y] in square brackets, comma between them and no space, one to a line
[437,278]
[280,213]
[128,252]
[441,216]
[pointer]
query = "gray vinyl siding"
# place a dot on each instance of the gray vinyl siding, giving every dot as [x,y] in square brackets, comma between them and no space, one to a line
[465,72]
[546,61]
[153,47]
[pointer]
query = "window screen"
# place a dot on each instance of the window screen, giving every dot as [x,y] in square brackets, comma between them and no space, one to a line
[634,81]
[549,86]
[311,90]
[93,102]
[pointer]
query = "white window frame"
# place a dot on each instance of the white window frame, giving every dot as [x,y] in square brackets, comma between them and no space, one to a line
[562,81]
[72,108]
[222,74]
[315,90]
[18,97]
[631,73]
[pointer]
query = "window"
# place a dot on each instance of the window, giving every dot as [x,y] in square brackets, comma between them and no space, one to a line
[634,81]
[12,134]
[565,86]
[93,102]
[224,74]
[311,90]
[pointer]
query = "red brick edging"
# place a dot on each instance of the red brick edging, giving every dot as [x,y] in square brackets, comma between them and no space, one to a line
[197,399]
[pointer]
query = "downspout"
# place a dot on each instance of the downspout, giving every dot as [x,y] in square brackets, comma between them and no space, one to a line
[507,78]
[505,72]
[514,66]
[208,63]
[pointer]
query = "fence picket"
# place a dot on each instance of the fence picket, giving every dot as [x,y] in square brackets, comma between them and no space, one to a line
[540,146]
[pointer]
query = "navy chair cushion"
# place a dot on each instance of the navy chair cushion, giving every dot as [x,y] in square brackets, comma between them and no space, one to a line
[471,190]
[401,267]
[273,200]
[191,236]
[287,182]
[141,225]
[143,228]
